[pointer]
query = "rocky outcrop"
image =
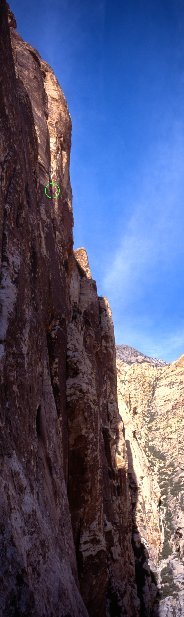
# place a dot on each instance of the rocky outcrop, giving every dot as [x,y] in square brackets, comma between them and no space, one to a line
[38,563]
[97,479]
[151,400]
[66,516]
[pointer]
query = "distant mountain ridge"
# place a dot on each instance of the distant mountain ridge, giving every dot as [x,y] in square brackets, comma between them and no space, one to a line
[131,356]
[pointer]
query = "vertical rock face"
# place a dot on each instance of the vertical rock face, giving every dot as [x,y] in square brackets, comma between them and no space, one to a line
[65,510]
[151,400]
[87,523]
[38,563]
[97,480]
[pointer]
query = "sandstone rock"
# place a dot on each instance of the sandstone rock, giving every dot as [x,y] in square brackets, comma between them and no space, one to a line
[38,563]
[151,399]
[65,516]
[87,521]
[97,484]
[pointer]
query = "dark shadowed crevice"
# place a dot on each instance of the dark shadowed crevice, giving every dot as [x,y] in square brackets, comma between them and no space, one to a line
[149,603]
[39,422]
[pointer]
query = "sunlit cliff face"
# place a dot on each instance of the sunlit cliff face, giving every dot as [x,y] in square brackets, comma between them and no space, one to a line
[150,397]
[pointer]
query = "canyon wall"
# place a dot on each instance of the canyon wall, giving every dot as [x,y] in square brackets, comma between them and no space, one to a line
[65,510]
[91,496]
[151,403]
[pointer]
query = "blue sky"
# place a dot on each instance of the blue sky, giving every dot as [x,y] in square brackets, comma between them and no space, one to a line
[121,66]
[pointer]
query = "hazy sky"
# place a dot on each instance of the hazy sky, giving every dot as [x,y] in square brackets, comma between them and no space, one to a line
[121,66]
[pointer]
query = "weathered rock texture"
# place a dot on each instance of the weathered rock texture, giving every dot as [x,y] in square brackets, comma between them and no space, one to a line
[151,403]
[66,516]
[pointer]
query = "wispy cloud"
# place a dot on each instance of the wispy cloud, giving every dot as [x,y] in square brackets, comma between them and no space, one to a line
[150,251]
[153,234]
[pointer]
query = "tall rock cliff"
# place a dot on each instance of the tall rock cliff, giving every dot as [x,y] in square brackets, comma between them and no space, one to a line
[151,403]
[65,510]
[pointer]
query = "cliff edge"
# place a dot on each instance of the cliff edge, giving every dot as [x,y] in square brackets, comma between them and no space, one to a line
[66,518]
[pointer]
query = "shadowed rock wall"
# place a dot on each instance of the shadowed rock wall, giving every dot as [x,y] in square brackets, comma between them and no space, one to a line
[66,518]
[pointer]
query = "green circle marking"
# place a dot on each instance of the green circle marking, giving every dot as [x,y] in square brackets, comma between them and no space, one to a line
[57,187]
